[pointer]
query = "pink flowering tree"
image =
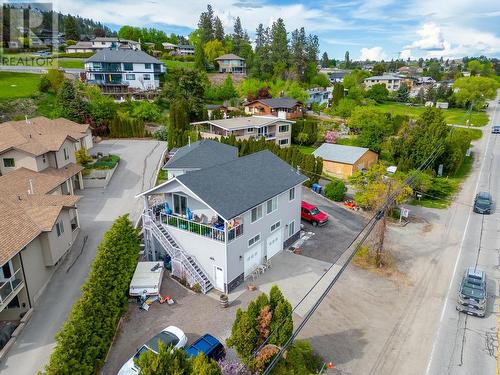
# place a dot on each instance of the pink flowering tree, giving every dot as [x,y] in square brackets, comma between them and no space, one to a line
[331,136]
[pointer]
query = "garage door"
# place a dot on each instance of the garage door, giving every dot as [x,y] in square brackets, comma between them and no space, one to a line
[253,258]
[274,244]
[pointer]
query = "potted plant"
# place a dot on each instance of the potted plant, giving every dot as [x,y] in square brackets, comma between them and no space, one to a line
[251,287]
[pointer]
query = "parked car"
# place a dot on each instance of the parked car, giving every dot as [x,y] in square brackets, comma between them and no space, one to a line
[209,346]
[483,203]
[472,295]
[495,129]
[169,336]
[311,213]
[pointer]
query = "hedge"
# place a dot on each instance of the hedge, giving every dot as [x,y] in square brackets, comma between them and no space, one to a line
[126,127]
[84,340]
[76,54]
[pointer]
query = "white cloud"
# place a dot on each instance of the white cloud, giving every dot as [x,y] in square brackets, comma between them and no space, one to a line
[431,38]
[405,54]
[373,54]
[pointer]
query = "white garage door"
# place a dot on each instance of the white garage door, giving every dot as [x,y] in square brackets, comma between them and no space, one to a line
[252,258]
[274,244]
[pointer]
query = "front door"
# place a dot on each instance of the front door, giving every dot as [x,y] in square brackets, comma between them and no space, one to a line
[219,278]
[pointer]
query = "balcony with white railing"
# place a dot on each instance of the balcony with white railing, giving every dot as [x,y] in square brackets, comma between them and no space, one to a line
[217,231]
[10,287]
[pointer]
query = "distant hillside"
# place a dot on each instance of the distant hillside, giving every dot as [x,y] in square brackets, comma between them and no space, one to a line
[75,27]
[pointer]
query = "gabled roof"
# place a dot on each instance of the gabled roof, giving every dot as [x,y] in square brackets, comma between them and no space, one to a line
[383,77]
[202,154]
[39,135]
[277,102]
[340,153]
[123,56]
[235,123]
[239,185]
[24,216]
[229,56]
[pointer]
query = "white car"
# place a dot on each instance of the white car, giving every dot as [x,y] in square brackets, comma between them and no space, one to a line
[169,336]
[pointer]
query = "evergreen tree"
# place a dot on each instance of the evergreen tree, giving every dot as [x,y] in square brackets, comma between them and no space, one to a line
[298,51]
[312,49]
[403,93]
[238,37]
[324,60]
[347,62]
[71,28]
[206,25]
[218,29]
[179,124]
[279,47]
[70,103]
[200,61]
[338,93]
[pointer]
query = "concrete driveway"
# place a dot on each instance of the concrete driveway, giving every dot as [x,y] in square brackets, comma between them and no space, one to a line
[97,211]
[330,240]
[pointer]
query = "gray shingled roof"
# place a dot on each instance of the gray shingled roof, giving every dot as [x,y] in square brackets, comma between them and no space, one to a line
[280,102]
[202,154]
[234,123]
[340,153]
[229,56]
[123,56]
[236,187]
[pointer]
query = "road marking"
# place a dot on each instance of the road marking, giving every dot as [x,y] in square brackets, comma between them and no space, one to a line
[443,310]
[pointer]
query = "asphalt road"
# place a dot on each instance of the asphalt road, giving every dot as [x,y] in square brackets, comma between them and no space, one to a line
[465,344]
[97,210]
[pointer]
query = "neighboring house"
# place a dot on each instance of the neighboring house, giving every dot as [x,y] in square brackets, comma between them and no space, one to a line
[271,128]
[36,231]
[426,81]
[185,49]
[335,75]
[220,224]
[231,63]
[391,82]
[282,107]
[101,43]
[320,96]
[214,107]
[198,155]
[118,71]
[43,145]
[342,161]
[52,38]
[169,46]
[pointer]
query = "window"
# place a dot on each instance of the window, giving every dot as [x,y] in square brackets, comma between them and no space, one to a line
[147,66]
[9,163]
[180,204]
[59,228]
[250,130]
[283,128]
[66,156]
[272,205]
[256,213]
[291,194]
[96,65]
[146,77]
[128,66]
[275,226]
[283,141]
[291,229]
[14,303]
[130,77]
[252,241]
[6,269]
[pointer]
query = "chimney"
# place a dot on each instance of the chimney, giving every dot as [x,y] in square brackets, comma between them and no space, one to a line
[282,115]
[30,191]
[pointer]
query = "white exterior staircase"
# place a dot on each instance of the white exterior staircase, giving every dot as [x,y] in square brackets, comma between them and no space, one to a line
[195,274]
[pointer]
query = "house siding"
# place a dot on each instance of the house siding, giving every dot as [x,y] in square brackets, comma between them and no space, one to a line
[21,159]
[69,146]
[287,212]
[344,171]
[54,247]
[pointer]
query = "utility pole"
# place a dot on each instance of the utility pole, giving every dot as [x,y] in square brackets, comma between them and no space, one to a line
[382,225]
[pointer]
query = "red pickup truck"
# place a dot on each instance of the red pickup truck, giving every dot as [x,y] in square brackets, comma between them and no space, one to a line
[310,212]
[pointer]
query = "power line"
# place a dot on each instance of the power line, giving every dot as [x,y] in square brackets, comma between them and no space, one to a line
[380,213]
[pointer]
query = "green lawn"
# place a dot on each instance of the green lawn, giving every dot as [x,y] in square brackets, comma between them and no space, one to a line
[306,149]
[177,64]
[456,116]
[73,63]
[43,62]
[18,85]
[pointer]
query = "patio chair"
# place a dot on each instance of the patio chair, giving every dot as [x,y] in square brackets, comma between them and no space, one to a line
[203,219]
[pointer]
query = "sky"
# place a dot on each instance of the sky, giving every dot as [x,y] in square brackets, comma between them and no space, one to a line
[373,29]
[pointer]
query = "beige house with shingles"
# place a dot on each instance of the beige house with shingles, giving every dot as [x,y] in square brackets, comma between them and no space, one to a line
[271,128]
[38,213]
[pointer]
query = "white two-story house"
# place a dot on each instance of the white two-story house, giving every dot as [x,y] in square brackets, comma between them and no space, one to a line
[272,128]
[118,71]
[219,224]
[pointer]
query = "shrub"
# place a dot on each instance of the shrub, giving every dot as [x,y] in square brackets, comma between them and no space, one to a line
[85,338]
[126,127]
[146,111]
[76,54]
[335,190]
[82,157]
[44,85]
